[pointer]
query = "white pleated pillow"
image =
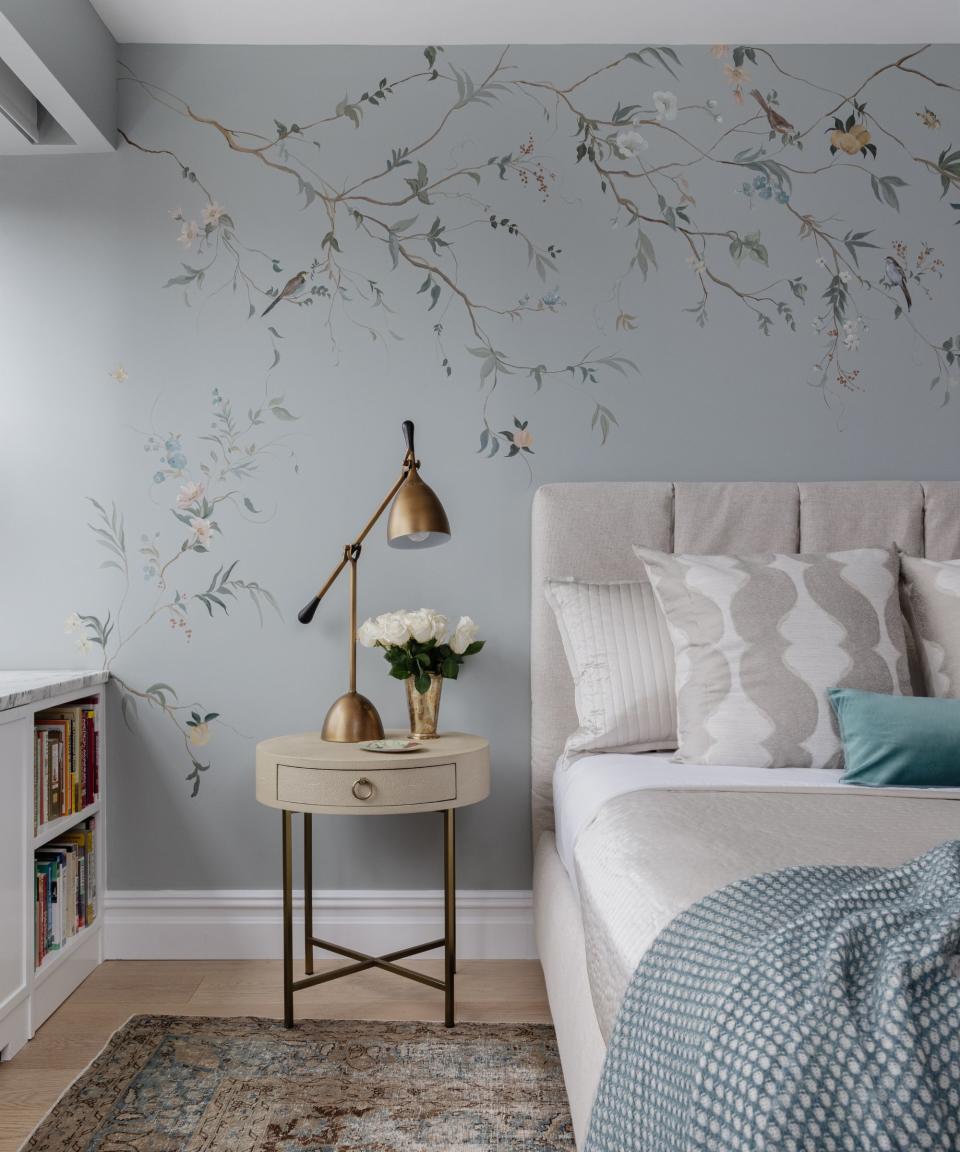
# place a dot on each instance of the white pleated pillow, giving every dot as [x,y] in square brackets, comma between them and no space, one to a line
[621,660]
[933,609]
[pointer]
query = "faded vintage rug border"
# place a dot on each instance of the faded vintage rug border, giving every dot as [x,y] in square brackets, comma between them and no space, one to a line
[106,1101]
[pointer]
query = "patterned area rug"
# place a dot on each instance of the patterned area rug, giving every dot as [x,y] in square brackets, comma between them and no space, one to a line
[195,1084]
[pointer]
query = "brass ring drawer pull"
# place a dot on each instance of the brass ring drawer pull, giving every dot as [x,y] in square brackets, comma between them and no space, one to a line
[363,788]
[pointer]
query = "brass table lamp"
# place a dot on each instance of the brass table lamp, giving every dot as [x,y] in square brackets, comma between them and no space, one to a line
[416,520]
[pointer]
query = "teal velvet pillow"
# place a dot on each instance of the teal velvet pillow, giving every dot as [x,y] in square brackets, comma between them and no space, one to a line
[906,741]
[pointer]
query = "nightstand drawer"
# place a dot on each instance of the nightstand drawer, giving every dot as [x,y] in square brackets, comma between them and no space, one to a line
[366,787]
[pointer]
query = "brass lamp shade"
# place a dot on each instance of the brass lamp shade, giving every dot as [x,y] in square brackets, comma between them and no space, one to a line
[417,518]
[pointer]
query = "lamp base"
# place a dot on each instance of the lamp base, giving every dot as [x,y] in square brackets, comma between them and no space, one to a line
[351,719]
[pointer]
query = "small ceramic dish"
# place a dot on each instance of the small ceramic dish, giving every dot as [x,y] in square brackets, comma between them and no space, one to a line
[396,744]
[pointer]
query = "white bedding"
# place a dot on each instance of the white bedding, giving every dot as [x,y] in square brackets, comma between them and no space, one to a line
[644,838]
[583,786]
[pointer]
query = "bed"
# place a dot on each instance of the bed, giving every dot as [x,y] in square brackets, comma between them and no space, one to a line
[623,843]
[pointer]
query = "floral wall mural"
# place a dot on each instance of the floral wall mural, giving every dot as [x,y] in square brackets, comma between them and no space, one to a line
[737,261]
[209,493]
[416,209]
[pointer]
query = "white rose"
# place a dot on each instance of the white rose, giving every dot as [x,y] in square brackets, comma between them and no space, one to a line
[426,624]
[464,635]
[420,624]
[440,628]
[369,633]
[395,628]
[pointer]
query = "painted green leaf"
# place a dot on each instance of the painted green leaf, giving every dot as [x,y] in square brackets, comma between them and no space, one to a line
[885,189]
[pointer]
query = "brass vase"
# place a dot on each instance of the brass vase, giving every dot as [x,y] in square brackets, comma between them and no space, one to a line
[424,707]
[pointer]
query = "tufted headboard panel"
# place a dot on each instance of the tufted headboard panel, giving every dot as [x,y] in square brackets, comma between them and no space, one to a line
[586,532]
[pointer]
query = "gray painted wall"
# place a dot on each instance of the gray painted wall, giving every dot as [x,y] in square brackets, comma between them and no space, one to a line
[108,376]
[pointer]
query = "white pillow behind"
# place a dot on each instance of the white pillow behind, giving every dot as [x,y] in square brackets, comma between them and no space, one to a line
[621,659]
[933,608]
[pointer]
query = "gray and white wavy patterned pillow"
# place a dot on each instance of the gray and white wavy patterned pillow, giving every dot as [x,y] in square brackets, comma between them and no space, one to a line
[933,604]
[758,640]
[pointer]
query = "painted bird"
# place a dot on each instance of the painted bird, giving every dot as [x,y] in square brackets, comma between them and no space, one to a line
[895,276]
[777,122]
[292,286]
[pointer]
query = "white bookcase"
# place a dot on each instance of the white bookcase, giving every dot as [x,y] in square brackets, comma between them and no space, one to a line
[28,994]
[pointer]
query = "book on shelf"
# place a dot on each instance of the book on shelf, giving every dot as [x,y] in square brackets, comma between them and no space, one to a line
[66,888]
[66,761]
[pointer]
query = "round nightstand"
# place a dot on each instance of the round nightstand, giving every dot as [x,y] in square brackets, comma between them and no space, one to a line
[307,774]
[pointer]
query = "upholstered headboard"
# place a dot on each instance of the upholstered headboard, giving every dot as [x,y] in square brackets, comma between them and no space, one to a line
[585,532]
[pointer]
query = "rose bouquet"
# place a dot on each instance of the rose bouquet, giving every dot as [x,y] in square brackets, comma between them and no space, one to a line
[419,644]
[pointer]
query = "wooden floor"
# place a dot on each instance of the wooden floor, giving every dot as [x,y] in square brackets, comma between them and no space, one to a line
[487,990]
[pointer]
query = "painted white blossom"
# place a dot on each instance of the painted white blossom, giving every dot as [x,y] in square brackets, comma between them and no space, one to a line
[188,233]
[72,624]
[629,142]
[83,643]
[851,335]
[202,528]
[666,105]
[464,635]
[189,494]
[212,212]
[844,275]
[696,264]
[120,374]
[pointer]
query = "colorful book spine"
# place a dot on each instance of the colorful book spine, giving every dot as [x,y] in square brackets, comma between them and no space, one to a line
[66,888]
[66,762]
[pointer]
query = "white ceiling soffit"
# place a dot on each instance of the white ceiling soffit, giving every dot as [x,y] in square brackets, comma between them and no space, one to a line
[531,21]
[72,79]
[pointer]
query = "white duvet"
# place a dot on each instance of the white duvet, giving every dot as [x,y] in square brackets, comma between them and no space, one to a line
[643,838]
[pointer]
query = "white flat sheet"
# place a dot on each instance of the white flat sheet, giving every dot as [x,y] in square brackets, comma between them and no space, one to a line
[643,838]
[581,788]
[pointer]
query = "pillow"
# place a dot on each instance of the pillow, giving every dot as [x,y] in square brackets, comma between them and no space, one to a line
[758,640]
[933,608]
[910,741]
[621,661]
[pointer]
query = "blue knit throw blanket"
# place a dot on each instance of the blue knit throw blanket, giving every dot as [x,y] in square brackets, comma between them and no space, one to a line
[811,1009]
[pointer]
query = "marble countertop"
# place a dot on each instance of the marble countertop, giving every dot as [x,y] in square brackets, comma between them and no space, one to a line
[19,688]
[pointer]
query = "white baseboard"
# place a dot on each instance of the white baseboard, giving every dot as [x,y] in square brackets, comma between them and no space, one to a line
[246,925]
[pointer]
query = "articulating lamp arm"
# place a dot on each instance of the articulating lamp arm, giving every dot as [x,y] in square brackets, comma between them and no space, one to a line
[352,551]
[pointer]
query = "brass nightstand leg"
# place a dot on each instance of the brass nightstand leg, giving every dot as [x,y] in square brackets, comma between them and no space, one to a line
[287,921]
[449,916]
[308,893]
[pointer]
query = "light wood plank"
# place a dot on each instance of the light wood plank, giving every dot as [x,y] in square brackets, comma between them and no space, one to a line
[487,991]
